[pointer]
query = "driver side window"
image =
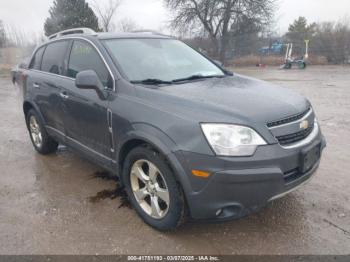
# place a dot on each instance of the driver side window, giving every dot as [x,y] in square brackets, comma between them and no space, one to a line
[83,56]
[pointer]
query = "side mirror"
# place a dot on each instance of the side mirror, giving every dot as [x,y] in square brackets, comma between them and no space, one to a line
[88,79]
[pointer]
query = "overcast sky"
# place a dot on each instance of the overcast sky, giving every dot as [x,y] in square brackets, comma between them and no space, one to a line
[29,15]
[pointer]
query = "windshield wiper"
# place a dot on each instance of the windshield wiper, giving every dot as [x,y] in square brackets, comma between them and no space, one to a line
[195,77]
[155,81]
[151,81]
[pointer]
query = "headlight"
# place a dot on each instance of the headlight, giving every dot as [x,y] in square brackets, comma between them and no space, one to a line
[232,140]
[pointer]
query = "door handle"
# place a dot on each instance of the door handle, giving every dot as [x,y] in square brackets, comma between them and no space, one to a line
[64,95]
[36,85]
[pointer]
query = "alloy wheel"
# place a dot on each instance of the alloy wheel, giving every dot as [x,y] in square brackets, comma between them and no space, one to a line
[35,131]
[149,188]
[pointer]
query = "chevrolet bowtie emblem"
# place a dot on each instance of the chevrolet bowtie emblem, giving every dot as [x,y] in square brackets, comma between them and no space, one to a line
[304,124]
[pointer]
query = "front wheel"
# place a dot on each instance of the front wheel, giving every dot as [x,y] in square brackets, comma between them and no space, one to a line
[152,189]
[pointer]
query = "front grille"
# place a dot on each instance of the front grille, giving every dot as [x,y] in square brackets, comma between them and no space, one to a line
[294,137]
[288,119]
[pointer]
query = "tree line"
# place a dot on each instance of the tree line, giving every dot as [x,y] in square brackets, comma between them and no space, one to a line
[66,14]
[326,39]
[224,29]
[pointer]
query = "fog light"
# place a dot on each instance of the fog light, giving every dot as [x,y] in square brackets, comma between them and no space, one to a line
[218,212]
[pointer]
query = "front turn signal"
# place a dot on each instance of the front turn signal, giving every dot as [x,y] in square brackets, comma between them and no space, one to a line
[199,173]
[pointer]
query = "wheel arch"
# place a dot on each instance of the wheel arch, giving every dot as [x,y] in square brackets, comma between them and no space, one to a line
[157,140]
[136,140]
[28,105]
[170,159]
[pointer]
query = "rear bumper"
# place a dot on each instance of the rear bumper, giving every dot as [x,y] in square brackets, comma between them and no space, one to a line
[243,185]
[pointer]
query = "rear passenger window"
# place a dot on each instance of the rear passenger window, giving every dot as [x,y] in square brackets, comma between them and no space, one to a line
[53,57]
[84,57]
[36,60]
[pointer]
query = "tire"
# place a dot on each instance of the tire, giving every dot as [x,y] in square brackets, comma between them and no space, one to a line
[41,140]
[169,214]
[288,66]
[302,65]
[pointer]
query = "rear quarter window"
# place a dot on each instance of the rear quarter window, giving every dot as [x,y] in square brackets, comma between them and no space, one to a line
[36,60]
[54,55]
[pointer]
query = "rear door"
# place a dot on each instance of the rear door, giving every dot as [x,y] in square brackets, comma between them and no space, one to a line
[47,85]
[85,114]
[33,79]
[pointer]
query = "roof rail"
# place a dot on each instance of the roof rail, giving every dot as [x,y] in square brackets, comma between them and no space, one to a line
[147,32]
[80,30]
[153,32]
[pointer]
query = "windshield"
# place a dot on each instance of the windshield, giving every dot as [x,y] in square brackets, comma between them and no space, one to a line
[160,59]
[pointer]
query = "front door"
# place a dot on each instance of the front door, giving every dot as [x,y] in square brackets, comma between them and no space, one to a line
[85,114]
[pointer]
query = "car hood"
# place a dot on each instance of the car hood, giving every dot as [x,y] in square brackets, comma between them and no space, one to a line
[237,96]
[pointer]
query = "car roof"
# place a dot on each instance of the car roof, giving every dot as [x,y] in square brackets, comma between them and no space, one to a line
[106,36]
[88,33]
[131,35]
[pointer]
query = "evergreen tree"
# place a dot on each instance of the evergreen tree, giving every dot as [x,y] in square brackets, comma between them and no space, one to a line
[66,14]
[299,31]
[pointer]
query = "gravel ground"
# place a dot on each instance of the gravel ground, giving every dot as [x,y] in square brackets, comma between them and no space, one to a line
[59,204]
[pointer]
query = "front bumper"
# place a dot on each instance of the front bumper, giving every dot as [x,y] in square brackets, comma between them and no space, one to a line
[239,186]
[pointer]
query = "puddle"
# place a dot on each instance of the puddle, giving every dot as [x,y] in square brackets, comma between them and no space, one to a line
[117,192]
[105,175]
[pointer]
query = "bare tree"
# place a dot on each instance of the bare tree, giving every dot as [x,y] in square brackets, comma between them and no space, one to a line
[332,40]
[219,17]
[2,35]
[128,25]
[16,36]
[106,13]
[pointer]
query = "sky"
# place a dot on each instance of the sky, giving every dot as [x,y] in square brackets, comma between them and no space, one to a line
[29,15]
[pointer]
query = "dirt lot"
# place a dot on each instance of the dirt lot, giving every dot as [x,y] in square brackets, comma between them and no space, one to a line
[46,205]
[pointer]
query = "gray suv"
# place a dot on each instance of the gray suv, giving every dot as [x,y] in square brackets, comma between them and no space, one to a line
[187,138]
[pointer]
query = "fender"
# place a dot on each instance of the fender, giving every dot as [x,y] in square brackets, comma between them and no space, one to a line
[161,142]
[36,108]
